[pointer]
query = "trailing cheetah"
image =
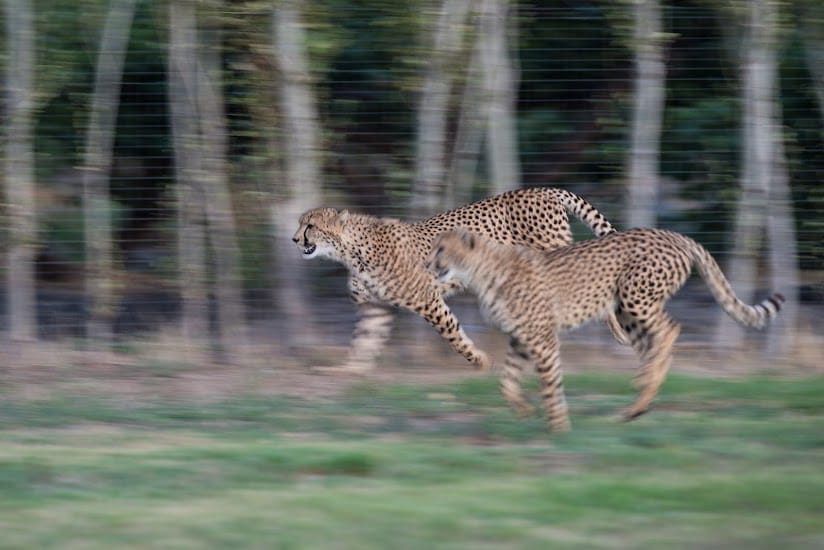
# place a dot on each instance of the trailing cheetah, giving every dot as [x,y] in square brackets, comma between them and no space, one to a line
[386,259]
[531,295]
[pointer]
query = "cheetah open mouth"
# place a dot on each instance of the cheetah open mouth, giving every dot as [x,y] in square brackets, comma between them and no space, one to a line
[309,249]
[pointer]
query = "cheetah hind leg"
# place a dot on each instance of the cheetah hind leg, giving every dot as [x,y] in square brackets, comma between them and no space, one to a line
[516,357]
[655,351]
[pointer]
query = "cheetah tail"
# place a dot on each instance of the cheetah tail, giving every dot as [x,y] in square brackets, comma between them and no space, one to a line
[756,316]
[585,212]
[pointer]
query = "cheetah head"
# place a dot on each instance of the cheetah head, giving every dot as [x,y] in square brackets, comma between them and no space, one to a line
[319,233]
[449,252]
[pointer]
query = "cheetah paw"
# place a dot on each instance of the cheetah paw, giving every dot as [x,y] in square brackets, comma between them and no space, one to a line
[483,363]
[524,410]
[632,413]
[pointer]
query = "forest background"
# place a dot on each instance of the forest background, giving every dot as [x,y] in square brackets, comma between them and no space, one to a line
[158,154]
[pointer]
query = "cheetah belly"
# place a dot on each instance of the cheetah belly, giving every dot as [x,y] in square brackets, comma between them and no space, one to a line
[579,310]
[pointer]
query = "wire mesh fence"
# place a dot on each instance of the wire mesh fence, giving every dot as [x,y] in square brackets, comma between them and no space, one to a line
[207,149]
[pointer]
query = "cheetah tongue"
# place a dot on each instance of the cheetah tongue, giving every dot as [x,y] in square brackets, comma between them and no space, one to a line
[309,249]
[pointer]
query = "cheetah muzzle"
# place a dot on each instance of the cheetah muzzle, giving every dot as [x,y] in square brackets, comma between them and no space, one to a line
[309,250]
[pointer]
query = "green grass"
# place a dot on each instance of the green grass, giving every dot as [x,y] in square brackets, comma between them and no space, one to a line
[719,463]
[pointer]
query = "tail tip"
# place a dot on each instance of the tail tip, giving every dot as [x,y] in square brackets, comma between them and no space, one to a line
[776,300]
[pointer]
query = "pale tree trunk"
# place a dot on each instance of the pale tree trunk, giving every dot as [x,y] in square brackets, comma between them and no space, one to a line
[188,170]
[19,172]
[222,230]
[203,192]
[302,174]
[501,84]
[433,108]
[100,269]
[429,189]
[648,111]
[763,178]
[470,131]
[751,209]
[783,255]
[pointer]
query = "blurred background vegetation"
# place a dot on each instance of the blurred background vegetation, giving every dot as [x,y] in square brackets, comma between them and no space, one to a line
[164,188]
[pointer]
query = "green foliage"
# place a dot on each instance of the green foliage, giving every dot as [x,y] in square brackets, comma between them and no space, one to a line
[63,230]
[803,134]
[141,118]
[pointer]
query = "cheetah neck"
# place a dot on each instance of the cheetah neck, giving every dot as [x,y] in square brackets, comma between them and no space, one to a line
[362,236]
[474,273]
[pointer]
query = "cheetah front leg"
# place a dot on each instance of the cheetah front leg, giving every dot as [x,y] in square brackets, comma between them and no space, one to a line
[516,357]
[371,333]
[438,314]
[369,338]
[546,355]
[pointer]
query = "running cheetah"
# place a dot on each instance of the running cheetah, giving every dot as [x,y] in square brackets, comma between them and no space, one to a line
[386,259]
[531,295]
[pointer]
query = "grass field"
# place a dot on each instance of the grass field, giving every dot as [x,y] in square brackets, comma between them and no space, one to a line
[730,463]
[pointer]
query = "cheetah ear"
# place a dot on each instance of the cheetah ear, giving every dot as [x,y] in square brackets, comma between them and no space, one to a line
[469,239]
[343,216]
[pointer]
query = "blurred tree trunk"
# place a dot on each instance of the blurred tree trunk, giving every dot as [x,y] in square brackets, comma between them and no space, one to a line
[783,257]
[487,109]
[100,272]
[500,83]
[200,132]
[469,134]
[763,178]
[648,112]
[301,187]
[19,172]
[433,108]
[188,174]
[220,217]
